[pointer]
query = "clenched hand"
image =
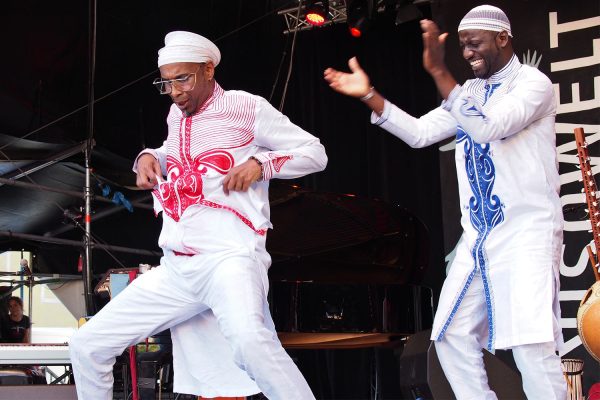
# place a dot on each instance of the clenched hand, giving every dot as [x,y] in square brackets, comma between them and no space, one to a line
[148,169]
[241,177]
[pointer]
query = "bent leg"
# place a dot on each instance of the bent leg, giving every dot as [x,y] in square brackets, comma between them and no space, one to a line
[460,350]
[203,361]
[541,370]
[238,300]
[150,304]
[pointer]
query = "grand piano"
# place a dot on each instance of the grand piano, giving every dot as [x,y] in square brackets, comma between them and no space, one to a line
[346,270]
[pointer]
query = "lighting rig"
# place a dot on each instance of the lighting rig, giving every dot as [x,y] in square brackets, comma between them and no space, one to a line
[335,12]
[357,14]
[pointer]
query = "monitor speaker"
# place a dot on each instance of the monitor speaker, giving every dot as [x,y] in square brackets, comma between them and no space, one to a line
[422,377]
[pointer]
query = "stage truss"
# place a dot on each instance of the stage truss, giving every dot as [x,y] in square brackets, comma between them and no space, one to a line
[295,21]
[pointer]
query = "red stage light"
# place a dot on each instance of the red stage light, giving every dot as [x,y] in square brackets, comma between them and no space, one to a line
[355,32]
[316,12]
[358,16]
[315,19]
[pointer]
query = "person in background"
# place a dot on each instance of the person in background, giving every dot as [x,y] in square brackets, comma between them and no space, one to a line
[17,327]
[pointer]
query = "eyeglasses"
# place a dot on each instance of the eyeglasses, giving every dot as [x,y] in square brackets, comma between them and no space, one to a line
[185,83]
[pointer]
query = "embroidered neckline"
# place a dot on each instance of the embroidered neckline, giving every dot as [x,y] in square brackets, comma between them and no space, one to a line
[509,69]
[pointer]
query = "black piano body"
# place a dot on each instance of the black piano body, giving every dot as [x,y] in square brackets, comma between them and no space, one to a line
[346,270]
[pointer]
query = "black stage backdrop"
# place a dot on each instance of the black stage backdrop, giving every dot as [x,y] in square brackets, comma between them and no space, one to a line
[50,81]
[564,38]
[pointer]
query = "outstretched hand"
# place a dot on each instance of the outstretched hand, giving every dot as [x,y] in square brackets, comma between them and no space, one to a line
[355,84]
[433,47]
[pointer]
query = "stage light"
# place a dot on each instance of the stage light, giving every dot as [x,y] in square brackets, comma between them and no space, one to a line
[317,12]
[358,16]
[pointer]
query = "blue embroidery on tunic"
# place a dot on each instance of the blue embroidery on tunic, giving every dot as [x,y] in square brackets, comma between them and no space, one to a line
[471,108]
[485,214]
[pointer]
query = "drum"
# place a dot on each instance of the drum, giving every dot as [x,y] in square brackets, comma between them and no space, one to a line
[572,370]
[588,320]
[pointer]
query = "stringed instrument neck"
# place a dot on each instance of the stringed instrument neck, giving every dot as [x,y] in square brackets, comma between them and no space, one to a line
[591,195]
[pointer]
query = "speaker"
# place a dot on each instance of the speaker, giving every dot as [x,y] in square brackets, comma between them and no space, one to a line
[422,377]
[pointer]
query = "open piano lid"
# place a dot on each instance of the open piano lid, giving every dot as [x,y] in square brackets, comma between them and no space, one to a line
[329,237]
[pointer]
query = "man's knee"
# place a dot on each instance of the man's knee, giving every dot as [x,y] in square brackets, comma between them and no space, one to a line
[77,340]
[250,344]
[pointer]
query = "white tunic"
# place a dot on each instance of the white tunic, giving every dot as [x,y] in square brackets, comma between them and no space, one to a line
[201,149]
[509,196]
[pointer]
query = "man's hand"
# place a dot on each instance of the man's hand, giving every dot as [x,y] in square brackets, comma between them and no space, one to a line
[241,177]
[433,57]
[355,84]
[433,47]
[148,169]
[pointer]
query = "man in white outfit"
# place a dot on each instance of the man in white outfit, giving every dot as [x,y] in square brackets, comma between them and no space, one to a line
[210,181]
[502,289]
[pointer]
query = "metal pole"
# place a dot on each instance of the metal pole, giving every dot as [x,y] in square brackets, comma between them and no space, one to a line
[87,270]
[21,273]
[87,267]
[30,297]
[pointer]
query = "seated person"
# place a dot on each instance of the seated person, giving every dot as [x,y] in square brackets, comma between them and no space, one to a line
[17,327]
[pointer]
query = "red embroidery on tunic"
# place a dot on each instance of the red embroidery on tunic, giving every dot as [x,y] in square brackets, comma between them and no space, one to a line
[184,181]
[184,185]
[245,220]
[279,161]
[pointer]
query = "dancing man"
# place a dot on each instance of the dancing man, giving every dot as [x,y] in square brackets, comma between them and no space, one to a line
[502,288]
[210,181]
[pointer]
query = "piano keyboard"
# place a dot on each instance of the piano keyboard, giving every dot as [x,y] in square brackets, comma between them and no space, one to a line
[34,354]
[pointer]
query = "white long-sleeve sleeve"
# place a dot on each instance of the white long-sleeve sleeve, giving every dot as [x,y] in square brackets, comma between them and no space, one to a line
[430,128]
[289,151]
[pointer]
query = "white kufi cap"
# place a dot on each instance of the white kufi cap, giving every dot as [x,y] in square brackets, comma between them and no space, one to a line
[487,18]
[183,46]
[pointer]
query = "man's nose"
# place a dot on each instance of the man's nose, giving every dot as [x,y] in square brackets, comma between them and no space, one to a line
[175,92]
[467,53]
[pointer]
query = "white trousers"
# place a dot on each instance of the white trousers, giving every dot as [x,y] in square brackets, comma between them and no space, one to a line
[461,357]
[224,340]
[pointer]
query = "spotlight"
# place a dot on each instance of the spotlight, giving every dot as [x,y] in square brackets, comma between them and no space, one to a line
[358,16]
[316,12]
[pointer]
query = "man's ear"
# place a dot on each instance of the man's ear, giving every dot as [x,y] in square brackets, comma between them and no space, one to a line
[502,39]
[209,71]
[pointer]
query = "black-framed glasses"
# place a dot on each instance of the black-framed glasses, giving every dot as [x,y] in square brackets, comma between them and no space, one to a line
[185,83]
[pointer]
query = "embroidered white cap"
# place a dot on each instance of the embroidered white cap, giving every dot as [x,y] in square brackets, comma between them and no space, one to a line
[487,18]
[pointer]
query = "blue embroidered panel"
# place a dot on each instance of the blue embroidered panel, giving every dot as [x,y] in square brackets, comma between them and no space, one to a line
[485,212]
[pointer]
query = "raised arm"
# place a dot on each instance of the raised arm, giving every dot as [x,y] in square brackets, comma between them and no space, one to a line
[416,132]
